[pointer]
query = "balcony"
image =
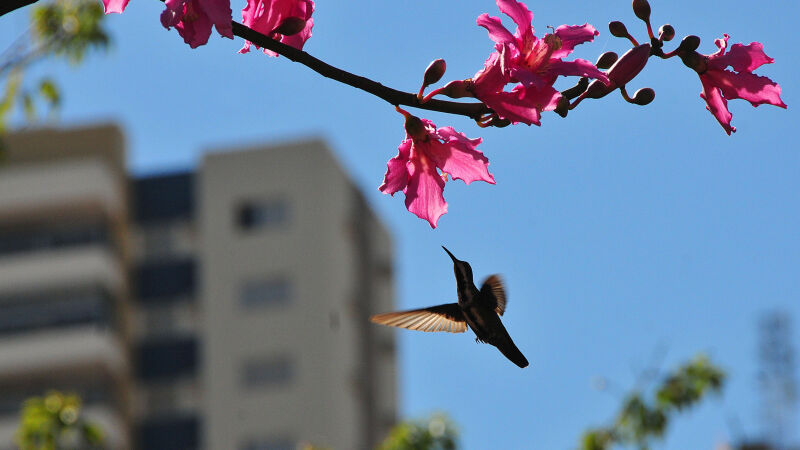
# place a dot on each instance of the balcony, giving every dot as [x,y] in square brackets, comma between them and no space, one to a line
[61,350]
[58,189]
[53,269]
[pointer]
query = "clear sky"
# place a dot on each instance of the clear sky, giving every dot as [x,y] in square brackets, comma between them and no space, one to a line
[620,230]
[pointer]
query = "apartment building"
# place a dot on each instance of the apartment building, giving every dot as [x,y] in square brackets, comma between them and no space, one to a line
[224,307]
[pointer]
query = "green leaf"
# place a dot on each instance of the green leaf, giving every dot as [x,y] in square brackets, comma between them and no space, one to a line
[28,107]
[50,92]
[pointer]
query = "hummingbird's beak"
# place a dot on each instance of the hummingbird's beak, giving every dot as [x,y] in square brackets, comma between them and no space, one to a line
[455,260]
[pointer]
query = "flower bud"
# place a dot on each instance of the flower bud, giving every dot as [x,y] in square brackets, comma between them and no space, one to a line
[644,96]
[415,128]
[618,29]
[629,65]
[689,44]
[666,32]
[434,72]
[499,123]
[642,9]
[291,26]
[597,89]
[606,60]
[695,61]
[562,108]
[457,89]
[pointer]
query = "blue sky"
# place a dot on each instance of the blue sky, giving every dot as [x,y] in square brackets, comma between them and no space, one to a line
[620,230]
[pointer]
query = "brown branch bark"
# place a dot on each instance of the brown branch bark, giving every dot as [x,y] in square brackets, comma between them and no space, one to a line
[6,6]
[390,95]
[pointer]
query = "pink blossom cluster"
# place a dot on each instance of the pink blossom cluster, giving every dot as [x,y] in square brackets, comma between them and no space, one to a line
[721,84]
[528,64]
[288,21]
[516,83]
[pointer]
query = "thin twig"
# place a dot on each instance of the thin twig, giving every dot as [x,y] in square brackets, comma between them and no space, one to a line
[393,96]
[6,6]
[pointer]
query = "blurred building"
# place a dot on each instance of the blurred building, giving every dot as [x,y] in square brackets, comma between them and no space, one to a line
[224,308]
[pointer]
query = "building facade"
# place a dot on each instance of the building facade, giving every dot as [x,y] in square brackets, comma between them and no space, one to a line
[221,308]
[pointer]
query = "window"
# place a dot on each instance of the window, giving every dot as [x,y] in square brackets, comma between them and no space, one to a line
[268,292]
[50,309]
[33,238]
[169,432]
[163,198]
[262,214]
[262,372]
[165,279]
[167,358]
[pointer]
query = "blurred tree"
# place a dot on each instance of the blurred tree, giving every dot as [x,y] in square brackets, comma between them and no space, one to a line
[53,422]
[64,29]
[436,433]
[642,420]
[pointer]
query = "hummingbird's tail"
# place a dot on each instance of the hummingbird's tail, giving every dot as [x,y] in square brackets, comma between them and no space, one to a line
[510,351]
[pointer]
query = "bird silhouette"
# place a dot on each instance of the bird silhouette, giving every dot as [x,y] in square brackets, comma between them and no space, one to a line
[478,309]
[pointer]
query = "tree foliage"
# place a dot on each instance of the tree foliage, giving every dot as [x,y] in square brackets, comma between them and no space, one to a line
[65,29]
[434,433]
[644,417]
[55,422]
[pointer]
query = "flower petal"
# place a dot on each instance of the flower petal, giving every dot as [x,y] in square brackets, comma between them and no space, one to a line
[497,32]
[511,106]
[717,105]
[265,16]
[543,99]
[195,32]
[578,68]
[755,89]
[572,35]
[220,14]
[521,16]
[490,78]
[458,157]
[424,193]
[114,6]
[396,177]
[743,58]
[173,13]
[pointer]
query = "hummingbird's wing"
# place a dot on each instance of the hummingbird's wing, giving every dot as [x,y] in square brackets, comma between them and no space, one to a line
[494,293]
[447,317]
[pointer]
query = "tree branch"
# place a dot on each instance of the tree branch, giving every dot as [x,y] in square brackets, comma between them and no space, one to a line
[6,6]
[392,96]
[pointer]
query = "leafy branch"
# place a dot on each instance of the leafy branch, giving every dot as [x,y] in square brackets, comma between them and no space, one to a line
[642,420]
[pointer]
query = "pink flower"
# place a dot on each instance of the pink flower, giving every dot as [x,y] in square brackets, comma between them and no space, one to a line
[534,63]
[193,19]
[425,158]
[521,104]
[288,21]
[721,85]
[114,6]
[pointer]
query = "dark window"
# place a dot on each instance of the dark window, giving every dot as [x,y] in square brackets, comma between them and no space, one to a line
[271,291]
[263,214]
[159,280]
[167,358]
[263,372]
[63,308]
[169,432]
[33,238]
[276,443]
[163,198]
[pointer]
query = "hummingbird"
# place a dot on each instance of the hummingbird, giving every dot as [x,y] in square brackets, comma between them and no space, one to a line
[478,309]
